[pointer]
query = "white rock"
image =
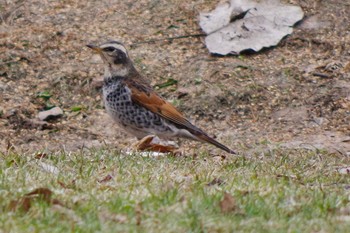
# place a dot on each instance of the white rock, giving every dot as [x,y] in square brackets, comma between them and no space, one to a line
[50,114]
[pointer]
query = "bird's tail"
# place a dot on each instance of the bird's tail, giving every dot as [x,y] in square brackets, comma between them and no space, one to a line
[205,138]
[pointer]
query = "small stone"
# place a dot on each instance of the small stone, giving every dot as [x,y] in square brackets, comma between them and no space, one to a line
[51,114]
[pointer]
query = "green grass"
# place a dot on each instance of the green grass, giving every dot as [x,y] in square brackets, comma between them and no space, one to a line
[281,191]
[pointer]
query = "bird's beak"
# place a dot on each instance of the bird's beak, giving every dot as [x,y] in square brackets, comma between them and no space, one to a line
[95,48]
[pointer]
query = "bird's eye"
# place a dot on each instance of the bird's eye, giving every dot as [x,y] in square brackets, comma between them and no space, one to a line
[109,49]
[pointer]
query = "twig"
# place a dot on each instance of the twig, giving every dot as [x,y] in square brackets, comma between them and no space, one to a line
[321,75]
[169,38]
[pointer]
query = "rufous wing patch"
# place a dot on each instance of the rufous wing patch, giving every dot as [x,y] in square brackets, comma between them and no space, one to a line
[156,104]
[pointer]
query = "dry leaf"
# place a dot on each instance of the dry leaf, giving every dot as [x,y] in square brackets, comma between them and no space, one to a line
[41,155]
[152,143]
[106,179]
[70,185]
[24,203]
[237,25]
[227,204]
[42,193]
[63,185]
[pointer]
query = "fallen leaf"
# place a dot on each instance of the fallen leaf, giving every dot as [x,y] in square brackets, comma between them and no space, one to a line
[151,143]
[106,179]
[42,193]
[63,185]
[238,26]
[227,204]
[44,95]
[70,185]
[169,82]
[160,148]
[24,203]
[77,108]
[41,155]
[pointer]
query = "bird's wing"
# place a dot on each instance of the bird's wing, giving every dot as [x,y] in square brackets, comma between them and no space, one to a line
[158,105]
[144,95]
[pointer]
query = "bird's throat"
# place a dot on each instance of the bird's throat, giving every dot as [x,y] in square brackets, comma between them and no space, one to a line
[116,70]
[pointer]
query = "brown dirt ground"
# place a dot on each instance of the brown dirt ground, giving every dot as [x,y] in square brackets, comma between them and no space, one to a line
[295,95]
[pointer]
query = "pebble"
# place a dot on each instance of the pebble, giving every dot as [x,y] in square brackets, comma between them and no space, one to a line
[53,113]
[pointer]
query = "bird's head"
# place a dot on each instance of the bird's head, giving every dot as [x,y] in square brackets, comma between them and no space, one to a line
[114,56]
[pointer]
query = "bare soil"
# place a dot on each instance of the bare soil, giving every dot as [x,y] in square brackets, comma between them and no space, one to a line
[294,95]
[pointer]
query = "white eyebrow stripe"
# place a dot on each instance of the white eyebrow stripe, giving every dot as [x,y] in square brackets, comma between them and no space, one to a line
[117,46]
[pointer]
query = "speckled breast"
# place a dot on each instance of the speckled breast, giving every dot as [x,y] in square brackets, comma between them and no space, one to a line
[119,105]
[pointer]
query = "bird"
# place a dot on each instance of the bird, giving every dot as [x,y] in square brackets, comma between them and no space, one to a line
[134,105]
